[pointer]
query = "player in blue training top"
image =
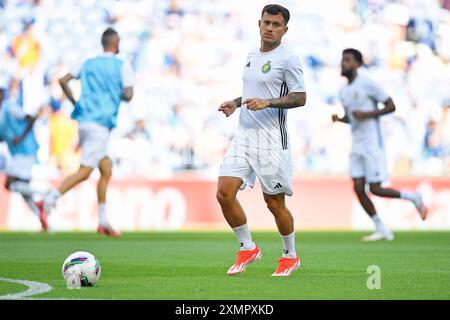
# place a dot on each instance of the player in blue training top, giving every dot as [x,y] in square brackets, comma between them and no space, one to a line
[106,80]
[16,129]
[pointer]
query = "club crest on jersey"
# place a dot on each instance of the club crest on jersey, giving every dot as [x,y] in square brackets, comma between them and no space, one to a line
[266,67]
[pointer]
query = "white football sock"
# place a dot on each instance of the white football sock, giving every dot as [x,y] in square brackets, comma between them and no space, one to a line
[102,214]
[378,224]
[289,245]
[408,195]
[51,197]
[244,237]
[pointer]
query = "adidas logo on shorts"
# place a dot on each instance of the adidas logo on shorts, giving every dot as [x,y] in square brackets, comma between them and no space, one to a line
[278,186]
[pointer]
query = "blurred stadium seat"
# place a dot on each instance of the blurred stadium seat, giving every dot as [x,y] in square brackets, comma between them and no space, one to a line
[188,56]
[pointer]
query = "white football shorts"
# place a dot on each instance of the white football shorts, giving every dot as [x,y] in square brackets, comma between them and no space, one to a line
[370,164]
[93,140]
[273,167]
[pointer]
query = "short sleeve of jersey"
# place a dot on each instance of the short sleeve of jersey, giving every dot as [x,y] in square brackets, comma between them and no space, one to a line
[127,75]
[293,75]
[375,91]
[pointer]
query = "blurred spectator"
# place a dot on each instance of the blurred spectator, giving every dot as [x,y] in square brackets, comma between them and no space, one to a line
[188,56]
[64,152]
[26,47]
[433,140]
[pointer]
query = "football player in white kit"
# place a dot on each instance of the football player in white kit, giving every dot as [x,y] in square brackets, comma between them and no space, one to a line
[273,83]
[360,98]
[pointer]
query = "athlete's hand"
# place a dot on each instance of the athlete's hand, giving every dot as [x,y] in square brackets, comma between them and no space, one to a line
[360,115]
[228,107]
[334,117]
[256,104]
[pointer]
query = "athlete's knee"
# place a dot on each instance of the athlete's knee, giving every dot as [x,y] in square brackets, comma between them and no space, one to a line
[84,174]
[106,168]
[376,190]
[224,196]
[359,189]
[275,206]
[106,173]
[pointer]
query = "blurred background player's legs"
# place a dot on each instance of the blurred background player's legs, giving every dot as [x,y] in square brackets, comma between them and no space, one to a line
[105,167]
[23,187]
[71,181]
[19,174]
[376,172]
[93,142]
[81,175]
[414,197]
[381,232]
[249,252]
[380,191]
[359,186]
[19,185]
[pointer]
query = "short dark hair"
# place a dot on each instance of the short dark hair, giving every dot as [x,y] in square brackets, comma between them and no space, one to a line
[276,9]
[355,53]
[107,35]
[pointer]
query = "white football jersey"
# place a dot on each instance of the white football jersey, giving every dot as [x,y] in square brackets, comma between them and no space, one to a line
[268,75]
[363,94]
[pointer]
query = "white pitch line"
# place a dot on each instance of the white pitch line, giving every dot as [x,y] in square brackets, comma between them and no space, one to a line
[34,288]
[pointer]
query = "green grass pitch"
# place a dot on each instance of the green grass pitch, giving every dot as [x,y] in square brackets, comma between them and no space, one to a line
[193,265]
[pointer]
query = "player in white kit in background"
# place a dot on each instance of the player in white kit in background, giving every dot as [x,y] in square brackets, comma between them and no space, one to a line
[360,98]
[273,83]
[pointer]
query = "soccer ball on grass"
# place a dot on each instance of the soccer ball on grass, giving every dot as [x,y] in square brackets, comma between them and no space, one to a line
[81,269]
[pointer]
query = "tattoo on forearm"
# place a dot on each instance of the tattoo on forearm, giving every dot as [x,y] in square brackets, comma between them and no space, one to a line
[238,101]
[291,100]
